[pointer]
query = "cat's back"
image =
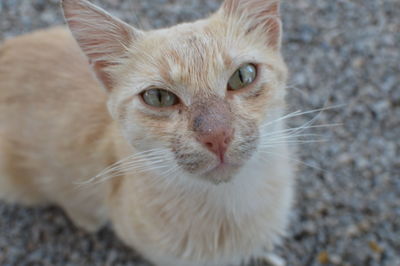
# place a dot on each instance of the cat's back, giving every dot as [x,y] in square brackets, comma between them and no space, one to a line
[49,98]
[52,113]
[44,65]
[44,74]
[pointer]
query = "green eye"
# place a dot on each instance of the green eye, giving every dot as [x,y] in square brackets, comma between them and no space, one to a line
[244,76]
[159,98]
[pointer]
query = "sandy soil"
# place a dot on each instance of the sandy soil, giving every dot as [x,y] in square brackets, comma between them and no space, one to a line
[348,205]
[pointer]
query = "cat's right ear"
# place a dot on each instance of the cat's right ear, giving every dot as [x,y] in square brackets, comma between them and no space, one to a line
[260,17]
[103,38]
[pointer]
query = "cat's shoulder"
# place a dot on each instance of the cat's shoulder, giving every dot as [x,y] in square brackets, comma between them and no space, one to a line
[55,42]
[48,35]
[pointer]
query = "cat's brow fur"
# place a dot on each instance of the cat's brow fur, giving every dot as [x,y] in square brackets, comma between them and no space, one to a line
[67,115]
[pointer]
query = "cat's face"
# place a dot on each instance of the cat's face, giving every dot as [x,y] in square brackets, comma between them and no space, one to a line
[199,93]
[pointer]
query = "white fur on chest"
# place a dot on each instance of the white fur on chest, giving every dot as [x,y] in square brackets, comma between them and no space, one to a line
[198,223]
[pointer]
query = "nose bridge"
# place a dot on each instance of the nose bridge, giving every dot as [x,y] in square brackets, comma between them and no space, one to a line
[211,122]
[210,115]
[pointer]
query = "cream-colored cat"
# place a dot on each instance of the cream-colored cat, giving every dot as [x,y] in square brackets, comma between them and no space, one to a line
[187,117]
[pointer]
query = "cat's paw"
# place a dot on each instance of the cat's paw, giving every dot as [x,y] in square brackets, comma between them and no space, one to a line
[270,259]
[85,221]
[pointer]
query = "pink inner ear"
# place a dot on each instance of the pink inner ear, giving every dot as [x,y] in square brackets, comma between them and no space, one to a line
[259,14]
[271,22]
[230,6]
[103,76]
[274,32]
[274,25]
[102,37]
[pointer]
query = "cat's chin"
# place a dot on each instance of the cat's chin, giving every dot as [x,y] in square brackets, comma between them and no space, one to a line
[221,173]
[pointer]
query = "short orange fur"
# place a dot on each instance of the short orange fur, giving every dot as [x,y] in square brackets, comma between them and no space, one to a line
[65,115]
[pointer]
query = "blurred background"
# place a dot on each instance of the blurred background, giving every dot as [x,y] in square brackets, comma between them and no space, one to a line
[343,56]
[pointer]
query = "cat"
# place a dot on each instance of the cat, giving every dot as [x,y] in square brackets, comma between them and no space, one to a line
[171,135]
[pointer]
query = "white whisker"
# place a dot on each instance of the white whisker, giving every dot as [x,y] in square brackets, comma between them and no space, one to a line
[137,169]
[120,167]
[130,157]
[299,113]
[146,160]
[272,144]
[290,136]
[295,160]
[295,129]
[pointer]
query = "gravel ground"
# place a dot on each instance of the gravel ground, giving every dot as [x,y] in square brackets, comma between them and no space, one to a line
[348,204]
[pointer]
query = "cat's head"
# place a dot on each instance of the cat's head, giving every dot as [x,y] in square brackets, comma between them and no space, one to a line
[193,97]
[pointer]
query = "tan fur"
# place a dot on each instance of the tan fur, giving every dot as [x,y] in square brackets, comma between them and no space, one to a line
[56,132]
[52,119]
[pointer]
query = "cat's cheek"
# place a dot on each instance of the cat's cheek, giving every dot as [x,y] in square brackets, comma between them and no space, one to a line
[135,136]
[139,134]
[245,141]
[186,155]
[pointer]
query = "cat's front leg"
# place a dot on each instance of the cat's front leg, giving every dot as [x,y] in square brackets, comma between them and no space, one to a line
[87,208]
[270,259]
[86,221]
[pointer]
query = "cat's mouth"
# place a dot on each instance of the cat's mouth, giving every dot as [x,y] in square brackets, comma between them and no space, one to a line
[222,166]
[221,172]
[210,165]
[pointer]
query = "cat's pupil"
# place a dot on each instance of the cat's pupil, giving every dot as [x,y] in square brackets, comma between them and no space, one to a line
[244,76]
[241,76]
[159,98]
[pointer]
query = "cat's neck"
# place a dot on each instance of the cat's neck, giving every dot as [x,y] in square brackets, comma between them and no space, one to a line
[244,192]
[255,199]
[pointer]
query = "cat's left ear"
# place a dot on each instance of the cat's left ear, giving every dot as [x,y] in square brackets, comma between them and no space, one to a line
[261,17]
[103,38]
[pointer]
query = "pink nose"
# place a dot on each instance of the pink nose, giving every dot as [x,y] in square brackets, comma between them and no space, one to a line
[217,141]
